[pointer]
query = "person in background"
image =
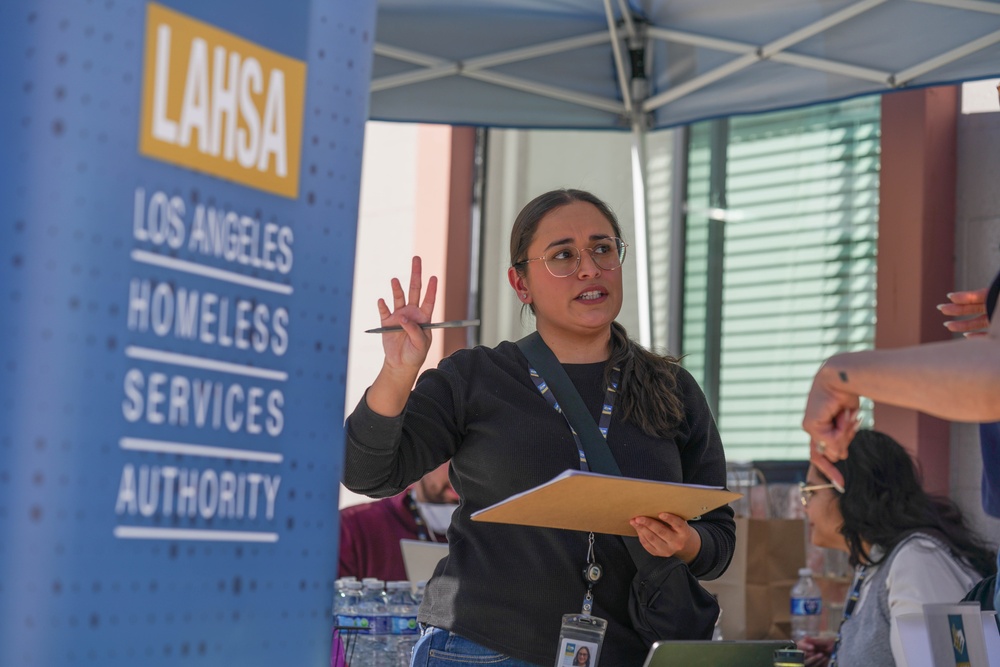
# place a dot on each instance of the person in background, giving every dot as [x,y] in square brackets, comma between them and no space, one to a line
[370,532]
[908,549]
[500,594]
[957,380]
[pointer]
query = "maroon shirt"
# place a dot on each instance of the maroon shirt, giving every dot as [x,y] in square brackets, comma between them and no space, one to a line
[370,535]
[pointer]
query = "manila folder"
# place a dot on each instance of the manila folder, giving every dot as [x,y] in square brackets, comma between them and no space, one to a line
[578,500]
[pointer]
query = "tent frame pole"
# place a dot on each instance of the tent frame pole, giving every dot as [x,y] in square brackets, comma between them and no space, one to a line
[643,292]
[633,109]
[678,241]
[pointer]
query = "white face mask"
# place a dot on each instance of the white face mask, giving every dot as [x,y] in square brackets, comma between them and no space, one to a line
[437,516]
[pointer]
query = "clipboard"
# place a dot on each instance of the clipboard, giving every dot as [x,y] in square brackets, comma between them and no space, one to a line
[590,501]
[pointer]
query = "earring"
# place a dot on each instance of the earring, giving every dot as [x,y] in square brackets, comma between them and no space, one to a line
[524,296]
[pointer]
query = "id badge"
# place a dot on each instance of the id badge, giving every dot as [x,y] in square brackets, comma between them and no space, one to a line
[580,639]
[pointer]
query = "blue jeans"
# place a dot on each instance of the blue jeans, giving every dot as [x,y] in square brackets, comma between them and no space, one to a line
[440,648]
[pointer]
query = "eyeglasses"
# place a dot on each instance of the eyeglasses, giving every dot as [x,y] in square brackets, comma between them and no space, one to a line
[564,260]
[807,492]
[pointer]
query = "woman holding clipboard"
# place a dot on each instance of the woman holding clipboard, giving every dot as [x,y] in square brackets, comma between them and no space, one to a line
[501,593]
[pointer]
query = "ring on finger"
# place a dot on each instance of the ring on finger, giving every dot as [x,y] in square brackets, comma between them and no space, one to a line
[821,447]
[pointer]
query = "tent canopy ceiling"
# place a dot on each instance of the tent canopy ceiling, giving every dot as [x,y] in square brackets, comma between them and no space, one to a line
[622,64]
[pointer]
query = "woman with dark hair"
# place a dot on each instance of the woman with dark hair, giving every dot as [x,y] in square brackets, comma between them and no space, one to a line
[500,594]
[908,549]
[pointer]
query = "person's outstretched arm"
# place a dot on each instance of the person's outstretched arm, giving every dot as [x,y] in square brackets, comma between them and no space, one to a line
[958,380]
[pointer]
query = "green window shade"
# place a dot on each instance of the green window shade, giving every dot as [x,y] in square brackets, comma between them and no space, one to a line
[793,213]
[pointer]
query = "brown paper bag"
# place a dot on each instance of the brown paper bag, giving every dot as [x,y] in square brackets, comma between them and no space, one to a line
[754,591]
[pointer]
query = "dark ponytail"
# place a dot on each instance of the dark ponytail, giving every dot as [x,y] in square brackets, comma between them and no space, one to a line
[648,395]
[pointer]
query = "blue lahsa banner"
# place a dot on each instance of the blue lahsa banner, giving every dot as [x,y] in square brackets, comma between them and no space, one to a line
[180,186]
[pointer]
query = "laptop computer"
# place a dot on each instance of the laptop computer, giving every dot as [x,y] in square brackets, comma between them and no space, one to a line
[748,653]
[420,558]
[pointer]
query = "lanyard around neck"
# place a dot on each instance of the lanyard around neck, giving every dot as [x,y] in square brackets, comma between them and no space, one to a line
[605,422]
[852,602]
[592,571]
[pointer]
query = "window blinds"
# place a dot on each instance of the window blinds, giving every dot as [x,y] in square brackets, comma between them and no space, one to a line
[794,204]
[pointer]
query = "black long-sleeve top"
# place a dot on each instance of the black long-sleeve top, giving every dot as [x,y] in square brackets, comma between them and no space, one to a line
[503,586]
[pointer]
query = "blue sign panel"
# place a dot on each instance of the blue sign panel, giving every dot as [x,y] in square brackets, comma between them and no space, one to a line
[180,184]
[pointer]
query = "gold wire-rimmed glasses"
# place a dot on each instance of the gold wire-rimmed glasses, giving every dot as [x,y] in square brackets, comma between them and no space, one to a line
[806,492]
[564,260]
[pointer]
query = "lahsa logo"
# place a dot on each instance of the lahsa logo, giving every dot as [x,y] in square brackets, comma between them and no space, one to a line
[221,104]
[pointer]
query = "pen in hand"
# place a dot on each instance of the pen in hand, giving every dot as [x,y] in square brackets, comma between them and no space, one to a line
[451,324]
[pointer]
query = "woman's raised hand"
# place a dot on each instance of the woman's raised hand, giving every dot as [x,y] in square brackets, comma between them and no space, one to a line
[406,350]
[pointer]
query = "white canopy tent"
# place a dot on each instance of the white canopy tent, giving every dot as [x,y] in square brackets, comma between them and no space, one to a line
[636,65]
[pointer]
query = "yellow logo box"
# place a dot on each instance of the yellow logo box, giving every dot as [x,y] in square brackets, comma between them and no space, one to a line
[219,104]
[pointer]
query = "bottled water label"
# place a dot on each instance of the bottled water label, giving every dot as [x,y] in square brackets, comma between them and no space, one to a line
[380,625]
[403,625]
[348,621]
[363,624]
[806,606]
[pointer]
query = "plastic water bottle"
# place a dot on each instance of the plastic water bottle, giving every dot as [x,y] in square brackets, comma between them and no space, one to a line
[340,595]
[345,603]
[402,611]
[372,642]
[347,618]
[806,606]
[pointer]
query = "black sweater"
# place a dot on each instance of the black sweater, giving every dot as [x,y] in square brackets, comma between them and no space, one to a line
[503,586]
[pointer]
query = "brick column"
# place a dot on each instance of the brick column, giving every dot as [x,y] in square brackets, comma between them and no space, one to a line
[916,250]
